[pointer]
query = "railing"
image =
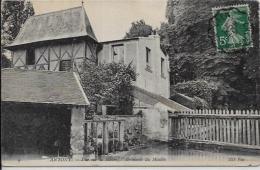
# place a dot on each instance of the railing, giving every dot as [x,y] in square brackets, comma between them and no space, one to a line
[220,126]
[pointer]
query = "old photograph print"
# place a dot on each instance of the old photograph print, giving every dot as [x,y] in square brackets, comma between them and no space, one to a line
[130,83]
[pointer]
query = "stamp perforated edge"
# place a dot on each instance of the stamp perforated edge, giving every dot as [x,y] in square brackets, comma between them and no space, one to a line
[214,9]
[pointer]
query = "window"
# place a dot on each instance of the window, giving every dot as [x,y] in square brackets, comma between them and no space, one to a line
[65,65]
[30,56]
[118,53]
[162,67]
[148,59]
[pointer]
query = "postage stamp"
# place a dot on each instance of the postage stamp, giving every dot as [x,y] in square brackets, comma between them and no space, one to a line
[232,27]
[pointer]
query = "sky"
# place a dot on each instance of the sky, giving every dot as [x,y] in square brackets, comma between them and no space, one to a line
[110,19]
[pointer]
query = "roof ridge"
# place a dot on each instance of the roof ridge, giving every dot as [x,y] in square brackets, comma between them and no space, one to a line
[84,20]
[56,11]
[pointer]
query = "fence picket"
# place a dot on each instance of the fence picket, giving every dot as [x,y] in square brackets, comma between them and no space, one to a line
[211,126]
[237,128]
[179,128]
[203,125]
[192,127]
[216,128]
[221,131]
[232,128]
[244,128]
[252,129]
[228,128]
[240,129]
[196,126]
[186,126]
[257,130]
[248,129]
[224,127]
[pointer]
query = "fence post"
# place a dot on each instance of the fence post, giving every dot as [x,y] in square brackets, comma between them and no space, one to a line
[252,129]
[121,135]
[257,129]
[105,138]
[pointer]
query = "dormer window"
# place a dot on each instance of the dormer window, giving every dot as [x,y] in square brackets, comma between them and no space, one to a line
[30,56]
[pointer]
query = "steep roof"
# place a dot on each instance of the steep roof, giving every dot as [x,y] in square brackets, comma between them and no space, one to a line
[42,87]
[56,25]
[151,98]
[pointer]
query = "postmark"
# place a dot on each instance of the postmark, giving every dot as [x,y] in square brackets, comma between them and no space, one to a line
[232,27]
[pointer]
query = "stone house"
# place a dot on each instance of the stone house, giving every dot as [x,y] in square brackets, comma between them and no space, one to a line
[42,113]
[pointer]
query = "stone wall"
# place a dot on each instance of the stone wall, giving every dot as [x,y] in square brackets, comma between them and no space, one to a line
[155,124]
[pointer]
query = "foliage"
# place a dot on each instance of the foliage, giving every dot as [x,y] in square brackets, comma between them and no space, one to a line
[139,29]
[5,62]
[13,16]
[188,38]
[109,84]
[199,88]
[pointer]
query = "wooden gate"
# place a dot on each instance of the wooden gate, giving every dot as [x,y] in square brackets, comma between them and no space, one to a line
[104,136]
[240,128]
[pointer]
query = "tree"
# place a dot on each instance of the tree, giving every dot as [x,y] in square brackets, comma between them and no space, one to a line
[139,29]
[13,16]
[109,84]
[188,38]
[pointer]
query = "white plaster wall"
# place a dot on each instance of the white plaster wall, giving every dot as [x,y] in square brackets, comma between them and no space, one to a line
[19,57]
[130,52]
[152,81]
[135,52]
[155,123]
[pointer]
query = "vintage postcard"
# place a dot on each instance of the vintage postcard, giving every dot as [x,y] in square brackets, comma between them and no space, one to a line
[130,83]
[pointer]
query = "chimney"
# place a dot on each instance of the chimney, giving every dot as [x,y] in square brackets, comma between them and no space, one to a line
[156,38]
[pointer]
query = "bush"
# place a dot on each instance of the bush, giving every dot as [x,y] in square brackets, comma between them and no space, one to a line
[109,84]
[197,88]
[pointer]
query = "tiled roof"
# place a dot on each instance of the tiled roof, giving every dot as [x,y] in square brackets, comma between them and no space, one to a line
[56,25]
[42,87]
[152,99]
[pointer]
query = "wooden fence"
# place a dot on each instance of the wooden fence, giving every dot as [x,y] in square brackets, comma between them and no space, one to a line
[221,126]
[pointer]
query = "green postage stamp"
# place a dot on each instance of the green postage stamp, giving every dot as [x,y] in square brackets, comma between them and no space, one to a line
[232,27]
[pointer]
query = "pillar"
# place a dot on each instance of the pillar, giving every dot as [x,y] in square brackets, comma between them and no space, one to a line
[77,132]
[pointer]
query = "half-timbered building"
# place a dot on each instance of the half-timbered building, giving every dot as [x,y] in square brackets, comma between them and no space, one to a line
[57,41]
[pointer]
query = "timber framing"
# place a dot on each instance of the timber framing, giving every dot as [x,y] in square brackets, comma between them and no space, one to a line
[49,55]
